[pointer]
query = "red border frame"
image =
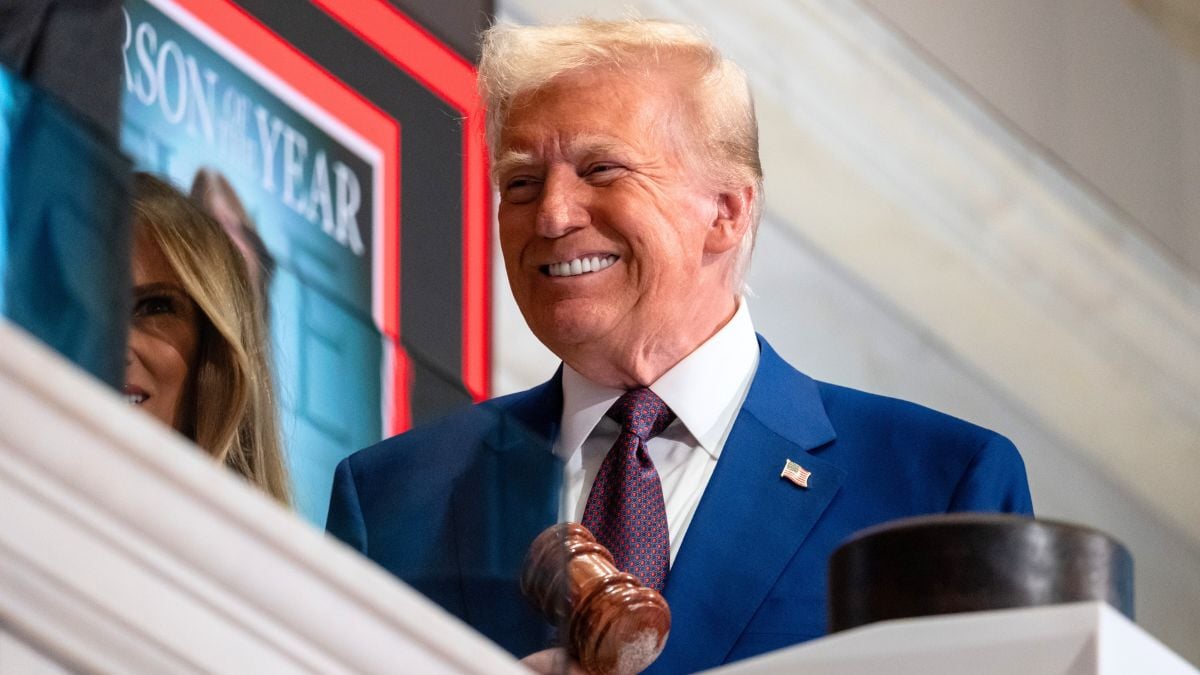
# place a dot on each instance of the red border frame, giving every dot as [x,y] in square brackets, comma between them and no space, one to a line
[441,70]
[307,77]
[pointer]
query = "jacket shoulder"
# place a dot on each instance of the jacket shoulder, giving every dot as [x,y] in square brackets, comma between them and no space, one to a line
[452,438]
[971,467]
[853,408]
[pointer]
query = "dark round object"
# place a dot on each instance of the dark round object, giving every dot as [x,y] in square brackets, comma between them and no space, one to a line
[968,562]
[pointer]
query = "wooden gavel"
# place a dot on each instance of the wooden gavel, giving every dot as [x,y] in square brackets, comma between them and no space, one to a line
[614,624]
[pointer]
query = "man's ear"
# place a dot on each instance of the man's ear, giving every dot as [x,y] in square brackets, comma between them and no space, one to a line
[732,221]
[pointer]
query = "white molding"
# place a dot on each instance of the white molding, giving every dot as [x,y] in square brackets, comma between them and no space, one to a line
[1016,267]
[124,549]
[1081,638]
[18,656]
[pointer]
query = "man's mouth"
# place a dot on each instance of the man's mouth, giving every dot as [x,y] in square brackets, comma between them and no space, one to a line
[578,266]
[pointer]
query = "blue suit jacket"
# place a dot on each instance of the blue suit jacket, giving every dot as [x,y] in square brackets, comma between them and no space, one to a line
[451,507]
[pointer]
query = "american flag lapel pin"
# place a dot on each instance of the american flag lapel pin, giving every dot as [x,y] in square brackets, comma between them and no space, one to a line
[796,473]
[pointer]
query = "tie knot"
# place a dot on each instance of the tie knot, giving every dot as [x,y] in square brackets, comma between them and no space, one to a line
[642,413]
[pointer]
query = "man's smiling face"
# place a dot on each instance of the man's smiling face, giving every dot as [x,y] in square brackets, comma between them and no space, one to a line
[604,219]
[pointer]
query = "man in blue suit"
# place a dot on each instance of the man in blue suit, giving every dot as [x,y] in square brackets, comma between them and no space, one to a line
[626,157]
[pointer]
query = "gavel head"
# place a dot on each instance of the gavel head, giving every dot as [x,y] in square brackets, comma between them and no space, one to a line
[613,624]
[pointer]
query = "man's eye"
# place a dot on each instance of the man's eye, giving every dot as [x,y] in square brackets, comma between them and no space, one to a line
[603,171]
[521,190]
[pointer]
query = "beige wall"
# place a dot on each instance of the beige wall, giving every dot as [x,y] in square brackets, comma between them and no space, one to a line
[1096,82]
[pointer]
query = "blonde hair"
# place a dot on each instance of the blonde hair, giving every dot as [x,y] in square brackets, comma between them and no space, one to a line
[213,193]
[520,59]
[233,415]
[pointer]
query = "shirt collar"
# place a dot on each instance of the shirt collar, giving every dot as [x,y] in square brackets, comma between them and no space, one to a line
[704,390]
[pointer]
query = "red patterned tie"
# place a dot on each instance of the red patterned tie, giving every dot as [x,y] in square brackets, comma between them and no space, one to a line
[625,509]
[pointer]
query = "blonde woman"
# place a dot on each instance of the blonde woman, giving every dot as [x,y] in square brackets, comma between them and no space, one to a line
[197,358]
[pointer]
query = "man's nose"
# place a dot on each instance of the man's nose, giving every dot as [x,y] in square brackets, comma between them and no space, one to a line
[563,207]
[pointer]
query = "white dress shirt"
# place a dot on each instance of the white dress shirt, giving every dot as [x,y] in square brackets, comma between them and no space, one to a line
[705,391]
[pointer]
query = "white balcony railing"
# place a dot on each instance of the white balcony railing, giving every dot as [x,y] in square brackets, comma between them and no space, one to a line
[124,549]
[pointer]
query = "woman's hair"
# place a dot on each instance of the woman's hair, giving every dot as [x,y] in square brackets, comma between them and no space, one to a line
[516,60]
[216,197]
[233,410]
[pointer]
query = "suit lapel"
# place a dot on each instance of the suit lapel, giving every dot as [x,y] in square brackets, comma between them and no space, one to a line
[750,521]
[503,502]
